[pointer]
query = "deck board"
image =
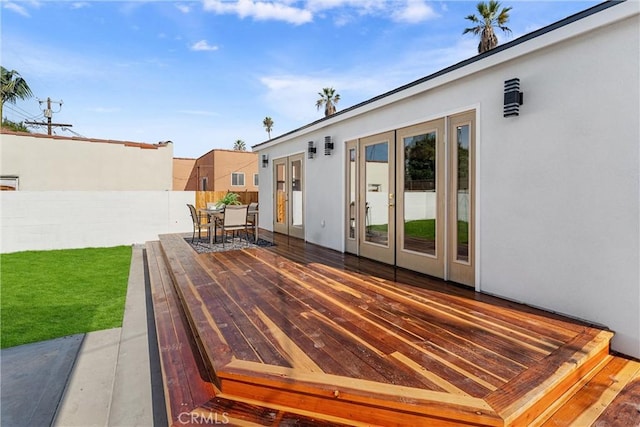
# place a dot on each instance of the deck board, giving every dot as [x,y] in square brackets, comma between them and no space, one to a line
[300,325]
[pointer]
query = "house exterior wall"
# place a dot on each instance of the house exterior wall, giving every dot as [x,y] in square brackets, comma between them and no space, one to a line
[184,174]
[557,188]
[217,166]
[57,163]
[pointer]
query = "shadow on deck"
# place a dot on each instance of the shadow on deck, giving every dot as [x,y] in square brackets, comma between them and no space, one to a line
[300,335]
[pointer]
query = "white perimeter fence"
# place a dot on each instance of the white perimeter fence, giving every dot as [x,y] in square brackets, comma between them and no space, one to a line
[44,220]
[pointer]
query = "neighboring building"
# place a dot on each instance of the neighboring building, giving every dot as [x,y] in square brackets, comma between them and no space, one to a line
[36,162]
[184,174]
[218,170]
[450,176]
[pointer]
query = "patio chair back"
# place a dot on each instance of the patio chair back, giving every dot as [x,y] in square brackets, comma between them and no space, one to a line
[235,216]
[194,215]
[197,223]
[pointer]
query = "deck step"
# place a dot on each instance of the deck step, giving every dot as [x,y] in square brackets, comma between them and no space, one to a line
[610,398]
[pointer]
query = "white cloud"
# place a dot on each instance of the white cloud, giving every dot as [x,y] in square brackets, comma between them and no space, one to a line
[79,5]
[260,10]
[286,94]
[203,45]
[294,96]
[183,8]
[17,9]
[415,11]
[411,11]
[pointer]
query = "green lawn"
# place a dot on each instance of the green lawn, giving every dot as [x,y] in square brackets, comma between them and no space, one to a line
[51,294]
[426,229]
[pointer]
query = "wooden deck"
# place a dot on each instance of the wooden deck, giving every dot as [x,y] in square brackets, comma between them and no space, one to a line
[297,334]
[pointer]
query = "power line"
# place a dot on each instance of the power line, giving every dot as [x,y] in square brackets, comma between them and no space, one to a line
[21,113]
[73,132]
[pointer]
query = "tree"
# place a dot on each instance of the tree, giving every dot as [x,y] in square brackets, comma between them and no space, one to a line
[329,98]
[14,87]
[17,127]
[239,145]
[490,16]
[268,125]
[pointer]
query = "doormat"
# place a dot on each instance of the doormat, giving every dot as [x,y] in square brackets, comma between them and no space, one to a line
[202,245]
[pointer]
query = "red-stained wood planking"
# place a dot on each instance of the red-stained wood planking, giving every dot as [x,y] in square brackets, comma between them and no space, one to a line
[188,382]
[355,318]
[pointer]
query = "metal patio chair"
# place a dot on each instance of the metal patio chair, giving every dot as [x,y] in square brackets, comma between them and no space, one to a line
[198,224]
[233,219]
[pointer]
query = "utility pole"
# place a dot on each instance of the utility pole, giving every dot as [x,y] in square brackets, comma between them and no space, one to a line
[48,113]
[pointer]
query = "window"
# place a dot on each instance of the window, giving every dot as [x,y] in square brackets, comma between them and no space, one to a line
[255,179]
[8,183]
[237,179]
[204,184]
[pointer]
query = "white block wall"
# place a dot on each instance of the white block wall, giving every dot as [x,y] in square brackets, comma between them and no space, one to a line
[44,220]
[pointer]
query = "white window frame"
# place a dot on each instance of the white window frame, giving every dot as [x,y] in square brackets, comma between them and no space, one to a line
[238,175]
[256,179]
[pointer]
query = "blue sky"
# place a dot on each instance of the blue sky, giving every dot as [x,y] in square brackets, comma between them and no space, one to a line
[206,73]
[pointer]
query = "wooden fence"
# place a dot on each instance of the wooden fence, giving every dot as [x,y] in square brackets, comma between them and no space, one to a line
[204,197]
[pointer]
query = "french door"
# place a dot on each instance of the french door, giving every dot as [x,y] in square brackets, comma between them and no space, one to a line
[289,196]
[377,194]
[410,197]
[421,208]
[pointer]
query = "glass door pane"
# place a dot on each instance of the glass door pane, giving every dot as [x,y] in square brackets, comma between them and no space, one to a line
[376,176]
[462,198]
[296,193]
[352,209]
[420,201]
[281,193]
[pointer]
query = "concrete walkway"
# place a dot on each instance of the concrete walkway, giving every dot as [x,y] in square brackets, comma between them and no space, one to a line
[103,378]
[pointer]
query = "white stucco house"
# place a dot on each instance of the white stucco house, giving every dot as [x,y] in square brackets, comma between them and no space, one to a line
[515,172]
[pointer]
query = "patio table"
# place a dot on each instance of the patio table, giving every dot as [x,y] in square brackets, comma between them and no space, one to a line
[212,214]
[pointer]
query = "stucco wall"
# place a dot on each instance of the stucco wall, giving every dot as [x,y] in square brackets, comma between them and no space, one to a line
[218,166]
[228,162]
[56,163]
[184,174]
[558,188]
[44,220]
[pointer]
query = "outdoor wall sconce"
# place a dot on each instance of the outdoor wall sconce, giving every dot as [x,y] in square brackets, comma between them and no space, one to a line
[265,160]
[311,150]
[328,146]
[512,98]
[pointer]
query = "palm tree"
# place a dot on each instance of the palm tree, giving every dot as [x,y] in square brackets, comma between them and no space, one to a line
[239,145]
[268,125]
[490,16]
[329,98]
[14,87]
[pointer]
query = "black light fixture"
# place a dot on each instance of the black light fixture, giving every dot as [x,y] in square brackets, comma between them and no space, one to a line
[311,150]
[328,146]
[265,160]
[512,98]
